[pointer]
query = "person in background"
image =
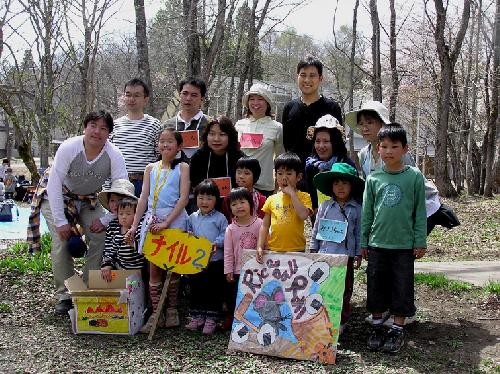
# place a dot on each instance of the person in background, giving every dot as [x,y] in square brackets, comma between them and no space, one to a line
[192,92]
[136,133]
[260,135]
[9,181]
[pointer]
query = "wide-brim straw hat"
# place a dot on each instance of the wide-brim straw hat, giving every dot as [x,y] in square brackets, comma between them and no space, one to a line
[257,89]
[323,181]
[330,122]
[351,118]
[120,187]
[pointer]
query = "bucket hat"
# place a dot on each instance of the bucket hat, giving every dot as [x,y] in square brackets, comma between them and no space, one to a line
[76,246]
[257,89]
[351,118]
[330,122]
[340,170]
[120,187]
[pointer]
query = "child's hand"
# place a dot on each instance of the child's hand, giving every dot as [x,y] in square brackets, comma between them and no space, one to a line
[260,256]
[97,226]
[106,273]
[214,247]
[364,253]
[157,227]
[130,235]
[419,252]
[230,277]
[357,262]
[289,190]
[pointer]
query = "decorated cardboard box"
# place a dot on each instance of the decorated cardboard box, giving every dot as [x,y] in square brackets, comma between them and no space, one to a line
[115,308]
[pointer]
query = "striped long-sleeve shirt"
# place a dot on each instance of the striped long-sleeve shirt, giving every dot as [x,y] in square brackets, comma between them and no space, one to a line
[119,255]
[137,140]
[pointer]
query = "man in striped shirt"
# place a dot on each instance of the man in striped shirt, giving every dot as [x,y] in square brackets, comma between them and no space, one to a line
[136,133]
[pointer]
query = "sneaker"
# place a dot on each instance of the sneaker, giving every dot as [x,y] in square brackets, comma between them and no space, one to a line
[195,323]
[172,318]
[210,326]
[376,338]
[63,307]
[394,341]
[149,324]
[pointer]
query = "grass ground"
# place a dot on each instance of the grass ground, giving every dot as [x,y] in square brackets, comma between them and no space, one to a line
[458,329]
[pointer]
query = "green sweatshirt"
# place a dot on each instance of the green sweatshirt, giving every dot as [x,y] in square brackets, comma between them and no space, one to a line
[393,214]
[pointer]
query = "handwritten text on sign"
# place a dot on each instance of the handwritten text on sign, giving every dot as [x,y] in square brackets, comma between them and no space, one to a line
[250,140]
[332,230]
[178,251]
[190,139]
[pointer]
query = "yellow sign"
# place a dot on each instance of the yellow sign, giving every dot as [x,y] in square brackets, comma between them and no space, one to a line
[177,251]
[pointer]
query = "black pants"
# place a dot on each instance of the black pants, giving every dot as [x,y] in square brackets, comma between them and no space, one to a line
[207,290]
[390,281]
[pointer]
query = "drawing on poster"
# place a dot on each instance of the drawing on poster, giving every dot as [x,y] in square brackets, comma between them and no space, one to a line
[289,306]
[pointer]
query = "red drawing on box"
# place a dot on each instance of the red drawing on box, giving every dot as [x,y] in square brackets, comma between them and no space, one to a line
[190,139]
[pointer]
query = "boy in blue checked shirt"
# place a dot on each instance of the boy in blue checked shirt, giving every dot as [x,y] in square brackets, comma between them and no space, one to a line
[393,234]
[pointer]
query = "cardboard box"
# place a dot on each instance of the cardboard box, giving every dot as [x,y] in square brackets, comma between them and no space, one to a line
[114,308]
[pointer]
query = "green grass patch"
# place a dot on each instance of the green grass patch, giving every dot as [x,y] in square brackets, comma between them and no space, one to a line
[440,281]
[19,260]
[493,288]
[5,308]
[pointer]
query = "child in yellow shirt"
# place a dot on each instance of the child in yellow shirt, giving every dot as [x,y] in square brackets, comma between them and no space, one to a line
[285,211]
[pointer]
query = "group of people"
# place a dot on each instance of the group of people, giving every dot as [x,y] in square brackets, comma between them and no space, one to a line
[278,175]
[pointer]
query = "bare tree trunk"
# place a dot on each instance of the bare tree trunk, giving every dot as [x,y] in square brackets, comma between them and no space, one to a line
[353,153]
[394,69]
[447,61]
[193,60]
[469,168]
[377,70]
[493,121]
[141,37]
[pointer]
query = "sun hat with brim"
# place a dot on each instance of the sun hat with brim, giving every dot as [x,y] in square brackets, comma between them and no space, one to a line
[257,89]
[76,246]
[323,181]
[351,118]
[330,122]
[120,187]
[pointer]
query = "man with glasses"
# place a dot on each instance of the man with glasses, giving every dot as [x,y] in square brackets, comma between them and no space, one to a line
[300,115]
[190,118]
[136,133]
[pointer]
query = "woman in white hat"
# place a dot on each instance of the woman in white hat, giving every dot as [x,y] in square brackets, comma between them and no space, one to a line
[328,148]
[260,136]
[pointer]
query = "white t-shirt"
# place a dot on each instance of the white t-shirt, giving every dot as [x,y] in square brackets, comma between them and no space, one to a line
[271,147]
[82,177]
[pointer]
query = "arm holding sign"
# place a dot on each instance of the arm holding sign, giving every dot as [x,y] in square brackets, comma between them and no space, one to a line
[142,205]
[222,226]
[229,255]
[314,243]
[357,238]
[263,232]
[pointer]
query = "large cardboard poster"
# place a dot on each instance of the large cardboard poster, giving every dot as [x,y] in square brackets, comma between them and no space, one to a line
[289,306]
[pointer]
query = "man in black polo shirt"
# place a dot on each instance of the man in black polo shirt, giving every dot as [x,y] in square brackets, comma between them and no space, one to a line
[300,115]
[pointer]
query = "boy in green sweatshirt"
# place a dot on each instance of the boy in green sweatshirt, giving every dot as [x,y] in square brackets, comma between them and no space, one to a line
[393,234]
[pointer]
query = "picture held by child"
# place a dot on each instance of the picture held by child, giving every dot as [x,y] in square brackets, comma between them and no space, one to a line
[393,234]
[241,234]
[207,287]
[164,196]
[285,211]
[345,188]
